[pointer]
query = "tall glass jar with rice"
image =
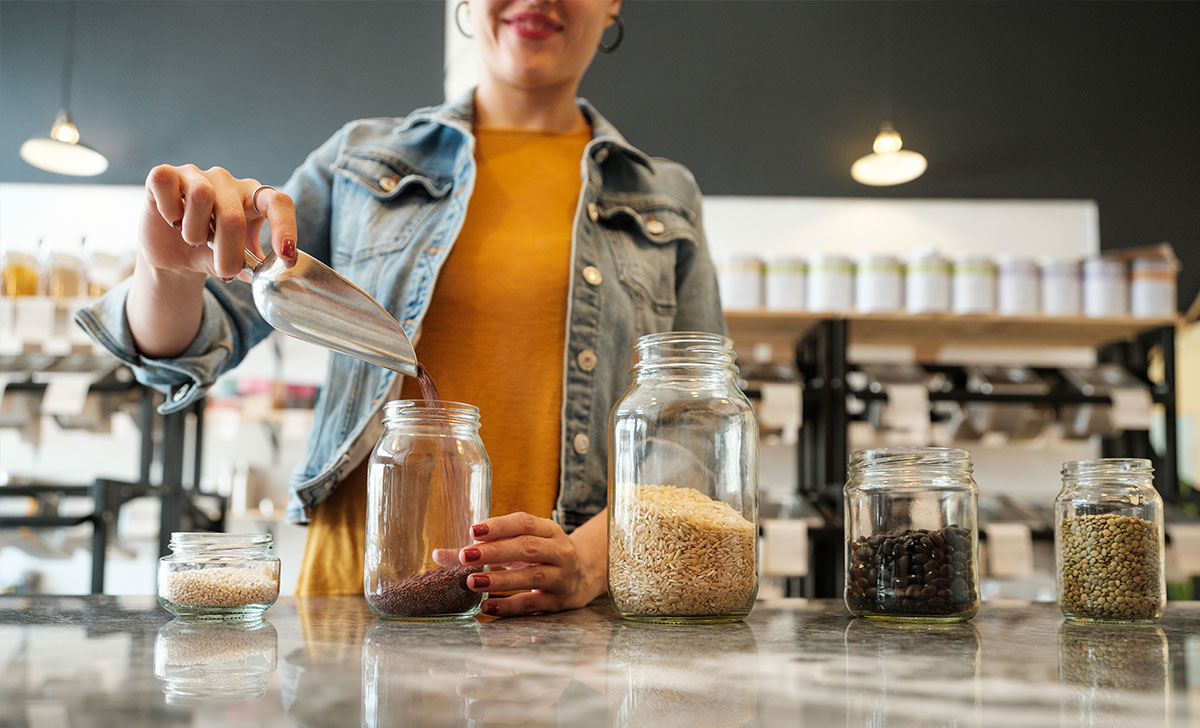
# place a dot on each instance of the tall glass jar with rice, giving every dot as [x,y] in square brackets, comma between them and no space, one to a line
[1108,534]
[683,485]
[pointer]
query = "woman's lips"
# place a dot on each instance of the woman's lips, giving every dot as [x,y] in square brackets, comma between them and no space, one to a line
[533,26]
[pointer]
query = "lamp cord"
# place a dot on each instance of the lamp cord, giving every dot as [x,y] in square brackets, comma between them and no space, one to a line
[69,62]
[887,62]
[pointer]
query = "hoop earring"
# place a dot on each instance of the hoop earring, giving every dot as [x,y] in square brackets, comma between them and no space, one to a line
[457,21]
[620,36]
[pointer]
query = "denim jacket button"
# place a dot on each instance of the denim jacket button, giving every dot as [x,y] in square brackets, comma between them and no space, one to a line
[591,274]
[387,184]
[655,227]
[582,444]
[587,360]
[593,211]
[601,154]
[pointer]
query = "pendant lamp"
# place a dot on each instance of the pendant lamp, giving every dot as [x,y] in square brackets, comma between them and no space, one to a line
[62,152]
[888,163]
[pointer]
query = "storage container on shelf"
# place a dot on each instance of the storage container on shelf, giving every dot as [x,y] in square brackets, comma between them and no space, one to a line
[21,276]
[1062,287]
[1152,288]
[218,575]
[830,283]
[1108,541]
[911,529]
[878,283]
[740,281]
[974,284]
[63,272]
[683,485]
[1017,286]
[1105,288]
[785,283]
[926,283]
[428,481]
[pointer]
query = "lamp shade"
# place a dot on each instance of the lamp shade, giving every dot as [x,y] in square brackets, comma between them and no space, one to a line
[62,153]
[888,164]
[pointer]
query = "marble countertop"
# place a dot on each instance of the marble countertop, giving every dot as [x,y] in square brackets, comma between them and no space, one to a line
[121,661]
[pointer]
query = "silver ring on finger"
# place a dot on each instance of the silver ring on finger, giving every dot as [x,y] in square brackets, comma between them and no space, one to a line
[254,199]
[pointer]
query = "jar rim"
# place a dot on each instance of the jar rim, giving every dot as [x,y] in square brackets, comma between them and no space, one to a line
[436,410]
[940,458]
[670,349]
[221,540]
[1108,466]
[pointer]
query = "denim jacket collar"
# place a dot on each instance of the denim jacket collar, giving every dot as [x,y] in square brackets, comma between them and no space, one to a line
[460,114]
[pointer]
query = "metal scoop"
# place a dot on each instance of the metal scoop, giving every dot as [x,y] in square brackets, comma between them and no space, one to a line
[311,302]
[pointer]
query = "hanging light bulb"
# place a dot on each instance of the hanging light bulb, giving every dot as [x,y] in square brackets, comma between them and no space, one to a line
[888,164]
[61,152]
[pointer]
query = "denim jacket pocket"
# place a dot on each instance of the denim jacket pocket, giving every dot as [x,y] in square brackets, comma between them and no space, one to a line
[383,201]
[645,238]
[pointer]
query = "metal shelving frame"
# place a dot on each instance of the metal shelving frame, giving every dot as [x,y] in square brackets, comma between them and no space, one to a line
[821,357]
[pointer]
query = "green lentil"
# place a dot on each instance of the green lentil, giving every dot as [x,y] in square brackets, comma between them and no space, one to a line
[1111,568]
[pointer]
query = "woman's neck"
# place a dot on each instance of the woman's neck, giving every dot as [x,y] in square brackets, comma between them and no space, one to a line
[503,106]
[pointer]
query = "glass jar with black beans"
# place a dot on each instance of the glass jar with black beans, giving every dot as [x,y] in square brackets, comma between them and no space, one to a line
[912,535]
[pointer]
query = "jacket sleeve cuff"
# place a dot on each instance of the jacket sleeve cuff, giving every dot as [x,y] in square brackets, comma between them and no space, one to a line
[184,378]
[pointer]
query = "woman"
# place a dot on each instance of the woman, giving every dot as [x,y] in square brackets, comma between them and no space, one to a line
[526,301]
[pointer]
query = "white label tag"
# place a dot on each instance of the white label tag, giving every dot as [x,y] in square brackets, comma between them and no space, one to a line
[1009,550]
[65,393]
[907,407]
[1131,408]
[785,547]
[34,319]
[780,405]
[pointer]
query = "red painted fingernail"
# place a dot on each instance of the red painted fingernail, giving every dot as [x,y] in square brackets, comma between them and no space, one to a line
[288,248]
[479,529]
[472,554]
[480,581]
[491,608]
[178,224]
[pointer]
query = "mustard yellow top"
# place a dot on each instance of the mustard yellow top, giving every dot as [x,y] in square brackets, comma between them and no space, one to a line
[493,337]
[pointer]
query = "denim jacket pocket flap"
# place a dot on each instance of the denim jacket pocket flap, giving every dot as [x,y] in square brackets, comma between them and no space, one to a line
[384,174]
[657,222]
[645,242]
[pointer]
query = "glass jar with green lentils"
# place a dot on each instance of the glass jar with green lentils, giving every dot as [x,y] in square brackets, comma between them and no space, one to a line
[1108,541]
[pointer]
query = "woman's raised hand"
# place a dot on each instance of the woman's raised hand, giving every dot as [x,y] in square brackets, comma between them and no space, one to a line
[187,207]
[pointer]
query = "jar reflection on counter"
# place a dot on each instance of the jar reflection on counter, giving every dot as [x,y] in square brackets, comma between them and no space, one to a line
[1115,675]
[411,673]
[205,663]
[652,682]
[912,535]
[890,664]
[428,481]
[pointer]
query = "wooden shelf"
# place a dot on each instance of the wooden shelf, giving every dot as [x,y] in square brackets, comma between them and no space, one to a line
[930,332]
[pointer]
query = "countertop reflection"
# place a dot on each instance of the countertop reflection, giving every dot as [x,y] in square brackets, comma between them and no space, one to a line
[330,662]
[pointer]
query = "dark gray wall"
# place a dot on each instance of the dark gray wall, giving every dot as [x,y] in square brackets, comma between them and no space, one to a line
[1009,99]
[1006,99]
[251,86]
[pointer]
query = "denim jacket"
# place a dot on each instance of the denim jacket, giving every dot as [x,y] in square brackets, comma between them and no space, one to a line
[383,201]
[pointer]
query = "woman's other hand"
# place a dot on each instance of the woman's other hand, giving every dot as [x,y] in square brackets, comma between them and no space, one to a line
[186,207]
[561,571]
